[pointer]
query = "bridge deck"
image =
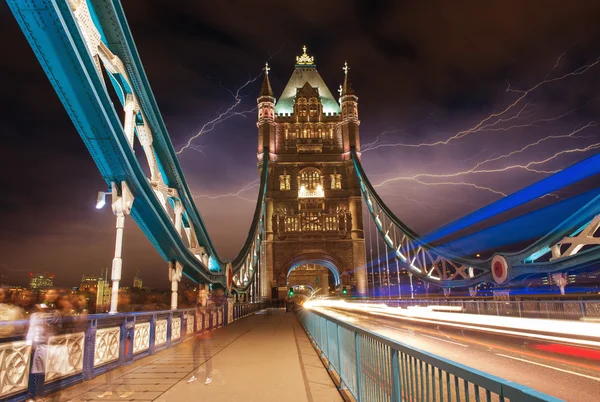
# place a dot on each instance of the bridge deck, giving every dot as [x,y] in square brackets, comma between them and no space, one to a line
[264,357]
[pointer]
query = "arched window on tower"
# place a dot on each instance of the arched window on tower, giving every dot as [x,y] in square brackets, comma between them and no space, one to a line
[284,181]
[310,184]
[336,180]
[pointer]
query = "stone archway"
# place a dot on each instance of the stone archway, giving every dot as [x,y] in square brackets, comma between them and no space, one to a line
[314,276]
[311,269]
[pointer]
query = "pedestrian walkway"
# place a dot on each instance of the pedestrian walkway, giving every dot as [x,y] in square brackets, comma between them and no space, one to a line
[264,357]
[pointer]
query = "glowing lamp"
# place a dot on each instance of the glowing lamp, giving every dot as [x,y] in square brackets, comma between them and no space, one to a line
[101,200]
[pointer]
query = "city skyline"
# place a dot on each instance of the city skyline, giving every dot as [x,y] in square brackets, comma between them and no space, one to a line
[415,85]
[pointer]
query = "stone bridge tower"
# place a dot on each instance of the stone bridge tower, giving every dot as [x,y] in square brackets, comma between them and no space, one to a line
[313,204]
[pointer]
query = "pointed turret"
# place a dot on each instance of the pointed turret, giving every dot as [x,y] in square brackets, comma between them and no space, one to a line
[265,89]
[349,103]
[347,87]
[266,114]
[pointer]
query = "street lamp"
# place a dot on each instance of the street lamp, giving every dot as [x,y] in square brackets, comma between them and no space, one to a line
[101,200]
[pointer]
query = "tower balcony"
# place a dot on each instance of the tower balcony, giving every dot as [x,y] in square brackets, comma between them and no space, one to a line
[318,192]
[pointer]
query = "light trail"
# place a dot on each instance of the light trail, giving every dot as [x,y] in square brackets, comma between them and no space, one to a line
[577,332]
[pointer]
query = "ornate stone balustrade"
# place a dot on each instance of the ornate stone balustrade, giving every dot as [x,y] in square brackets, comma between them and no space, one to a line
[141,337]
[107,342]
[160,332]
[175,328]
[64,356]
[14,366]
[107,345]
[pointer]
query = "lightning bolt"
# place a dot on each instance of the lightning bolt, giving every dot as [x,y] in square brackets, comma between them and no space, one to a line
[223,116]
[473,170]
[533,144]
[237,194]
[493,119]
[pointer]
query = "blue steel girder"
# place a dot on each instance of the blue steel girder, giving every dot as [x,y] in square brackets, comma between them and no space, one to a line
[53,34]
[549,254]
[579,231]
[421,259]
[118,38]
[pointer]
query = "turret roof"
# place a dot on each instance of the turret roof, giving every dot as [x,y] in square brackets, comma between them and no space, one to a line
[306,73]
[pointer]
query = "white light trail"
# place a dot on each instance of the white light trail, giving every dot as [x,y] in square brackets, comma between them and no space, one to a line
[577,332]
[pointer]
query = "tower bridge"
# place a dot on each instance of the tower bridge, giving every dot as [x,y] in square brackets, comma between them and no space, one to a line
[307,227]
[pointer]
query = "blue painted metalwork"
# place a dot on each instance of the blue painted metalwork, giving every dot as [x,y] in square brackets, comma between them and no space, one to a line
[574,214]
[54,36]
[525,227]
[387,370]
[573,174]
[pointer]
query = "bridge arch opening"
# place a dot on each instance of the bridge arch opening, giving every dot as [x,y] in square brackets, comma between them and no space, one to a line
[326,264]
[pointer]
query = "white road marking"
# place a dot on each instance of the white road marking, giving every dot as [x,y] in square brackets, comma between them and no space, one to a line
[550,367]
[445,340]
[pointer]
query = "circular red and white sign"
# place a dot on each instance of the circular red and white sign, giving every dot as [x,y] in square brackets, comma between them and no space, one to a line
[500,269]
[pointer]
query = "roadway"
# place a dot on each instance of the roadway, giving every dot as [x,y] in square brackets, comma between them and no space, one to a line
[567,372]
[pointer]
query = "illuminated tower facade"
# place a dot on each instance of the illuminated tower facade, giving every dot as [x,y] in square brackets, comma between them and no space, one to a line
[313,204]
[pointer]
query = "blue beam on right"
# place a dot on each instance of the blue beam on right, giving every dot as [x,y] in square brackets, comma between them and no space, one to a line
[532,225]
[564,178]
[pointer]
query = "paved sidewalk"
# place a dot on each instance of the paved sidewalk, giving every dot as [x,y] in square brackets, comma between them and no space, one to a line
[264,357]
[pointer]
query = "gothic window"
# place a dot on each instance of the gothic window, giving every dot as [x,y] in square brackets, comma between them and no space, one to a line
[310,183]
[336,181]
[284,181]
[311,221]
[286,133]
[331,133]
[313,110]
[302,110]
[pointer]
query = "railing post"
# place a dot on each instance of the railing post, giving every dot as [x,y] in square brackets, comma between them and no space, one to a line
[152,334]
[169,329]
[358,368]
[396,386]
[90,350]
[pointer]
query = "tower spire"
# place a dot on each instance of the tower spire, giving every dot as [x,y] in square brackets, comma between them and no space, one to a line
[265,89]
[347,87]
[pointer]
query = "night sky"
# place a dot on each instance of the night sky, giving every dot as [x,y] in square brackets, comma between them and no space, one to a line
[424,71]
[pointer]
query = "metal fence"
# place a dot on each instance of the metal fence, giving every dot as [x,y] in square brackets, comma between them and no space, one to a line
[94,344]
[551,309]
[375,368]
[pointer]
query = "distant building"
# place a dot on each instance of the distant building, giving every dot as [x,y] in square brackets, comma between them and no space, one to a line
[39,281]
[89,283]
[137,281]
[103,293]
[99,287]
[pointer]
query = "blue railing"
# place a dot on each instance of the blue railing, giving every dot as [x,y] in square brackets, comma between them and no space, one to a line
[374,368]
[91,345]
